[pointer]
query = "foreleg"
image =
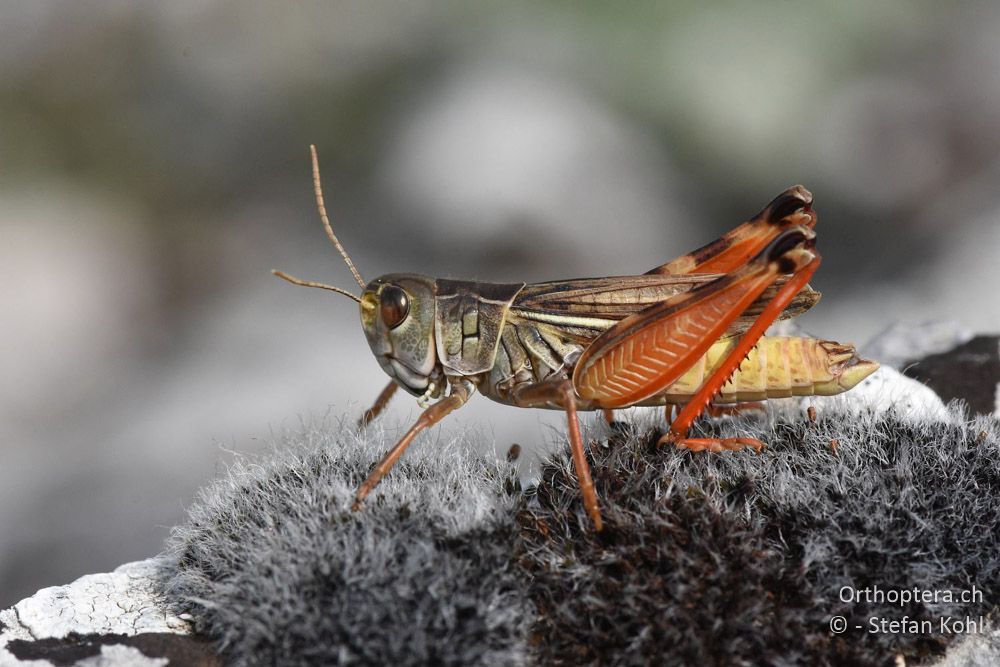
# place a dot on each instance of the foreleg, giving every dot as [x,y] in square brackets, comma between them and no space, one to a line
[460,393]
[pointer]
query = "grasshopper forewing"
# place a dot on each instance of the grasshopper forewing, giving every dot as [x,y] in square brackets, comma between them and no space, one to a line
[674,335]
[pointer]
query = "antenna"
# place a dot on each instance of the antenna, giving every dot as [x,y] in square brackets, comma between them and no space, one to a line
[318,188]
[309,283]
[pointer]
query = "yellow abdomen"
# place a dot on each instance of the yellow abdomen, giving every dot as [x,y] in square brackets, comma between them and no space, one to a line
[778,367]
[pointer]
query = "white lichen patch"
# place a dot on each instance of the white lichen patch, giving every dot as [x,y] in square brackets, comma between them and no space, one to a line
[977,649]
[124,601]
[903,342]
[886,391]
[122,656]
[120,602]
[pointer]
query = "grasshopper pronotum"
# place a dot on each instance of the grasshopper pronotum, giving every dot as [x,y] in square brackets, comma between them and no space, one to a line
[677,334]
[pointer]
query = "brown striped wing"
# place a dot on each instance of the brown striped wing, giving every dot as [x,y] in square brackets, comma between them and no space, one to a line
[584,308]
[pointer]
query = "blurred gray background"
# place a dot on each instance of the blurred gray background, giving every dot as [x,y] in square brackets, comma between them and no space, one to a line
[154,167]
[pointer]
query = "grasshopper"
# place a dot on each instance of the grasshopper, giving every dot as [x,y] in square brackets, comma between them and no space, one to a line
[688,333]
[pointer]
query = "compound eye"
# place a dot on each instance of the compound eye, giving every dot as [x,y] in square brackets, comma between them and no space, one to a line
[394,305]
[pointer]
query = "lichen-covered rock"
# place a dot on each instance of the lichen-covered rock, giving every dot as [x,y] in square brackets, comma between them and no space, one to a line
[114,619]
[947,359]
[902,342]
[969,372]
[707,559]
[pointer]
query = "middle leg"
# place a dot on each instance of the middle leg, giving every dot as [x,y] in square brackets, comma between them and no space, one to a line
[561,393]
[380,403]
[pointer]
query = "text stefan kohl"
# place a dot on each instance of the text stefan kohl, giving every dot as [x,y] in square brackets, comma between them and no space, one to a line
[946,625]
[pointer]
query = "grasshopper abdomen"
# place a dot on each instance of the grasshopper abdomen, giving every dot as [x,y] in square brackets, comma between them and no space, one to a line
[778,367]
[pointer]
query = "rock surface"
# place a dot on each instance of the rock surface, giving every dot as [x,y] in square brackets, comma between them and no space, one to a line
[902,342]
[114,618]
[970,372]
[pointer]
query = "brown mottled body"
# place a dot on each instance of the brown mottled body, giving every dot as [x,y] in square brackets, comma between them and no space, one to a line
[689,332]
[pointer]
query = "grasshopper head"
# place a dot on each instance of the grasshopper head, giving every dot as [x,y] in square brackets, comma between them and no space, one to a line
[397,313]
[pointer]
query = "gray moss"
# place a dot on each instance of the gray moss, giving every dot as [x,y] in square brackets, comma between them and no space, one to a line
[740,559]
[275,567]
[728,559]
